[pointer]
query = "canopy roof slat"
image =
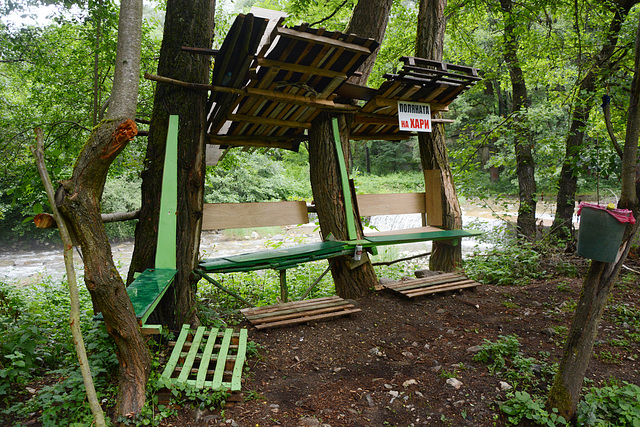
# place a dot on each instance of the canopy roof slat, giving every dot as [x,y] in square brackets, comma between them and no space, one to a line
[300,71]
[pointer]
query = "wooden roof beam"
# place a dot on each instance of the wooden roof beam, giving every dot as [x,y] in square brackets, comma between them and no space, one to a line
[268,121]
[386,102]
[304,69]
[299,35]
[248,141]
[323,104]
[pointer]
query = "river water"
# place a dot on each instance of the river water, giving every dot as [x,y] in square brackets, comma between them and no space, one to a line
[27,267]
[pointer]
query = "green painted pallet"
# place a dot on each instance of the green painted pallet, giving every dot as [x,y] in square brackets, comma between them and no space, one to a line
[208,358]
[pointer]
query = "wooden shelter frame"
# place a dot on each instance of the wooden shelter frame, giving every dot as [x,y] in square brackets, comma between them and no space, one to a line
[266,94]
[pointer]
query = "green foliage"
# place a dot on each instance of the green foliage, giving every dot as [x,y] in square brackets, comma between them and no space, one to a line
[386,157]
[612,405]
[121,194]
[513,264]
[522,406]
[398,182]
[37,343]
[504,357]
[251,177]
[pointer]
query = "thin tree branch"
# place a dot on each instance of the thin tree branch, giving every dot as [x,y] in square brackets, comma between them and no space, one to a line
[331,15]
[74,311]
[607,120]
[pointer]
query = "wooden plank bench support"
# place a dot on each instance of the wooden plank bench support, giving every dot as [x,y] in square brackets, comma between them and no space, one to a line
[431,285]
[208,358]
[298,312]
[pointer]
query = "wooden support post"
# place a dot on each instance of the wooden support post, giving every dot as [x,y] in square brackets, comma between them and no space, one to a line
[344,180]
[433,196]
[166,250]
[284,290]
[215,283]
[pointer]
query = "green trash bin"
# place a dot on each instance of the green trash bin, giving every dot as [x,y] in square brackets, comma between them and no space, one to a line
[600,234]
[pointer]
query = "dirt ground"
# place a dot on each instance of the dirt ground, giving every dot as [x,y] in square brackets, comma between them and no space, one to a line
[389,364]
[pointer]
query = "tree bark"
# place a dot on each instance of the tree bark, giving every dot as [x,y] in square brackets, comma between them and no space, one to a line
[568,181]
[369,19]
[525,165]
[330,205]
[433,147]
[79,200]
[74,299]
[187,23]
[565,392]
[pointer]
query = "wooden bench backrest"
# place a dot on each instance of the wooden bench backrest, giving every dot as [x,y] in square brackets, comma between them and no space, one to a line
[221,216]
[391,204]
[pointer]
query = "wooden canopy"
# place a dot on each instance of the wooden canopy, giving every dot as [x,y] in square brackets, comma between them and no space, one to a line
[266,89]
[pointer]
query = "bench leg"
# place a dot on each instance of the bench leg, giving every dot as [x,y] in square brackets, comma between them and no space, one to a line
[284,290]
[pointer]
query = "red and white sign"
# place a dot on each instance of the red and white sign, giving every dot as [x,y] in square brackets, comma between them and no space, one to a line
[414,116]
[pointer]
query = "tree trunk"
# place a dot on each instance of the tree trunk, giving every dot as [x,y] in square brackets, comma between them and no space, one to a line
[187,23]
[369,19]
[525,165]
[568,182]
[79,200]
[330,205]
[565,392]
[433,148]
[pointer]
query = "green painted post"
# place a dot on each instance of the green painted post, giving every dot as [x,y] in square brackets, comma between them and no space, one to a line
[344,180]
[166,250]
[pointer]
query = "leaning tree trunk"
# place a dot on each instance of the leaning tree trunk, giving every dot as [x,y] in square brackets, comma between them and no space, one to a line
[187,23]
[525,165]
[565,392]
[433,148]
[330,204]
[568,182]
[79,200]
[369,19]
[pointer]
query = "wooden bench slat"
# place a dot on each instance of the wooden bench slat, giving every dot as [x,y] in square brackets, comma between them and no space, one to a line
[148,289]
[206,358]
[175,354]
[216,383]
[241,355]
[191,356]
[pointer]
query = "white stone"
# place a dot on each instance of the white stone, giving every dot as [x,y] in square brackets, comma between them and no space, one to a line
[454,383]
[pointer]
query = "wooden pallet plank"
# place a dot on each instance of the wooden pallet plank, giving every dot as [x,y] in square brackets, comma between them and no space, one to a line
[426,280]
[428,291]
[175,354]
[408,286]
[216,383]
[330,305]
[292,304]
[191,356]
[206,358]
[436,288]
[278,316]
[308,319]
[239,361]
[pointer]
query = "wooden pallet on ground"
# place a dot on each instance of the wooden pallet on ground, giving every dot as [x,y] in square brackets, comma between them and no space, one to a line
[207,358]
[432,284]
[298,312]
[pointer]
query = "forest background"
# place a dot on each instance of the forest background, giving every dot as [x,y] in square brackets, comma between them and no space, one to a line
[532,128]
[58,76]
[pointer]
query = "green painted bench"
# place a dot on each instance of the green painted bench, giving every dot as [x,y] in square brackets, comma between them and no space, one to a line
[249,215]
